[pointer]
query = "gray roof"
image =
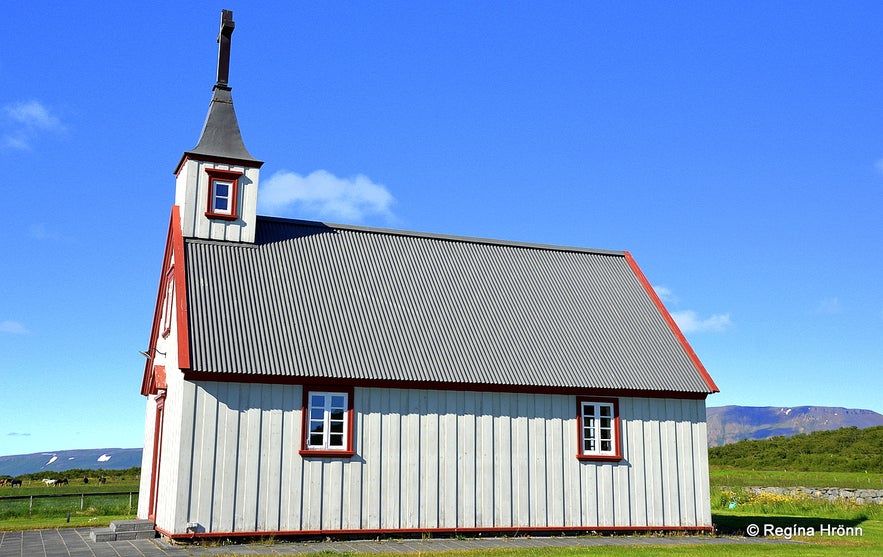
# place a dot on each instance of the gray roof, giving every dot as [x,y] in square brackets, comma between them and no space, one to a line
[316,300]
[220,135]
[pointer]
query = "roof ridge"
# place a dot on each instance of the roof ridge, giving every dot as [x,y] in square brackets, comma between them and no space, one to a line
[440,236]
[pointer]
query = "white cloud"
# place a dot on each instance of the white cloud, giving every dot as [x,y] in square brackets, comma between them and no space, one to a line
[33,114]
[665,294]
[322,195]
[24,121]
[690,322]
[829,306]
[13,328]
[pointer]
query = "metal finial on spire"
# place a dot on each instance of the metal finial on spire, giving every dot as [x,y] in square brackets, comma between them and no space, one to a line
[224,37]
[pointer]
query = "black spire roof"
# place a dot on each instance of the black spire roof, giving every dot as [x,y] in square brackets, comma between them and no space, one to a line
[220,136]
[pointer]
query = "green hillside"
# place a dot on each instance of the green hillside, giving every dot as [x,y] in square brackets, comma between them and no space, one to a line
[844,450]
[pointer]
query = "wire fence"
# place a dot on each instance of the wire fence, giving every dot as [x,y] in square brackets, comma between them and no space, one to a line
[51,505]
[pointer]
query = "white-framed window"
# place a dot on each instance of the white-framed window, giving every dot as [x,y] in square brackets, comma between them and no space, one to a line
[328,422]
[598,422]
[223,192]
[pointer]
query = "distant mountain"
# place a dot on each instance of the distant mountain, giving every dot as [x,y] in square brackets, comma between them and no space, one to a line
[59,461]
[728,424]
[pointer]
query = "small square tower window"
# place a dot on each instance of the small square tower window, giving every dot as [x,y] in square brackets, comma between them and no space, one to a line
[223,190]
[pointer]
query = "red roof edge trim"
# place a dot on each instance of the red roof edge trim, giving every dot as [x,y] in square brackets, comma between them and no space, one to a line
[148,384]
[174,252]
[177,240]
[671,323]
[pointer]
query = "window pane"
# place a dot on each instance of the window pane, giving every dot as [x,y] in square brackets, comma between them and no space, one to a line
[316,440]
[606,422]
[317,414]
[605,434]
[317,400]
[338,401]
[337,414]
[220,204]
[316,427]
[605,410]
[336,440]
[336,427]
[606,446]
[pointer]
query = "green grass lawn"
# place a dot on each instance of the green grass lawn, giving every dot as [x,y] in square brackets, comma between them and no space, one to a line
[782,478]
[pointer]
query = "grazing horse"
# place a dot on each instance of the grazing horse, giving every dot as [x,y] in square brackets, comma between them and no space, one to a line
[15,483]
[85,480]
[102,480]
[62,481]
[3,481]
[49,482]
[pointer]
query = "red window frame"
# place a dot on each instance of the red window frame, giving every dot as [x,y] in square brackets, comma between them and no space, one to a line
[230,177]
[617,430]
[345,452]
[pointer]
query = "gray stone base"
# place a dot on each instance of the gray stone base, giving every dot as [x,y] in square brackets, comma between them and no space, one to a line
[124,530]
[102,535]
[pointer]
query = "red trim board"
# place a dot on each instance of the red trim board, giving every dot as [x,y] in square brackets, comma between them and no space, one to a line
[513,530]
[174,252]
[671,323]
[339,384]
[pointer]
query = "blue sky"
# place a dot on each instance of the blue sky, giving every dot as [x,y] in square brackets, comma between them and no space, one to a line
[734,148]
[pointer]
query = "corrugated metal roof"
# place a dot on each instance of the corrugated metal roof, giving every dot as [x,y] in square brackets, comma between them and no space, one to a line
[317,300]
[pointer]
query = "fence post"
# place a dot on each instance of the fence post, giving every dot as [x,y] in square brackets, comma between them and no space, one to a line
[130,500]
[82,500]
[31,505]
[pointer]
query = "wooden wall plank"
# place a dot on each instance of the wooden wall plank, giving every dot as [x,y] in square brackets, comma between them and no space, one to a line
[503,460]
[430,445]
[448,460]
[465,492]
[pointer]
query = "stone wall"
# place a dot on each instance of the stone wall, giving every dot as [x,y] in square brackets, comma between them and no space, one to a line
[857,496]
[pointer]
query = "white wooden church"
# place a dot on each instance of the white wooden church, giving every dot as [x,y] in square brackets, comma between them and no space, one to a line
[312,378]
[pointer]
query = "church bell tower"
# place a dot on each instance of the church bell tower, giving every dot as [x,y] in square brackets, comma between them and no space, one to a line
[216,188]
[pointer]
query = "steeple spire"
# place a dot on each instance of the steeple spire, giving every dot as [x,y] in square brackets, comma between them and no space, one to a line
[216,187]
[221,137]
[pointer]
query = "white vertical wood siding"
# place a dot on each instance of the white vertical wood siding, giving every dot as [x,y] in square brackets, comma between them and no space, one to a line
[436,460]
[191,195]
